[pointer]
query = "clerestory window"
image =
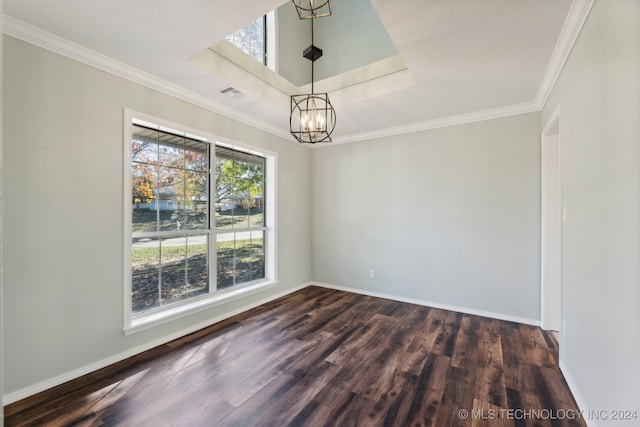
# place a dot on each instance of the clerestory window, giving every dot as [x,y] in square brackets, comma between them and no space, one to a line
[252,39]
[258,39]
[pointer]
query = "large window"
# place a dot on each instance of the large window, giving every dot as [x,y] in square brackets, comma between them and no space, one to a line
[199,222]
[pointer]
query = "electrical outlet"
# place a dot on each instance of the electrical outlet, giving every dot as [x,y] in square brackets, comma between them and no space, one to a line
[372,274]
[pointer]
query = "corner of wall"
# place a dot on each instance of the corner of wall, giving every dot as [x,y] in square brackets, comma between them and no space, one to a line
[1,222]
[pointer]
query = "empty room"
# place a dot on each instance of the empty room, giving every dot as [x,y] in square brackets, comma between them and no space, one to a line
[320,213]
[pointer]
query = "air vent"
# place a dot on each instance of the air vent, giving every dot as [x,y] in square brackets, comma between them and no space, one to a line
[232,91]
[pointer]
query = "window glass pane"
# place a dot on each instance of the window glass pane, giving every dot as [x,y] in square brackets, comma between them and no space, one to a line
[224,193]
[195,200]
[240,213]
[249,256]
[198,264]
[250,39]
[197,156]
[185,268]
[170,199]
[173,258]
[144,185]
[256,216]
[171,151]
[225,254]
[257,255]
[239,189]
[145,272]
[224,214]
[144,145]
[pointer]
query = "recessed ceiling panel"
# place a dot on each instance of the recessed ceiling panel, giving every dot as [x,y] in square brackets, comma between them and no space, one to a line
[358,54]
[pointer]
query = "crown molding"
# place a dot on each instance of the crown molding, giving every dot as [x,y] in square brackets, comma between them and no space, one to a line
[38,37]
[573,24]
[575,20]
[496,113]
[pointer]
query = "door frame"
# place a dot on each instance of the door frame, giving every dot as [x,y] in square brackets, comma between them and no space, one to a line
[552,217]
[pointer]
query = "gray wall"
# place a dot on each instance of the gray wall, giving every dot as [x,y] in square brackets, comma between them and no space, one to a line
[450,216]
[63,219]
[599,97]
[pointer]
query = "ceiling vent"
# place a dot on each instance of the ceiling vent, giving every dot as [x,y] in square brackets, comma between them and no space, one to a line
[232,91]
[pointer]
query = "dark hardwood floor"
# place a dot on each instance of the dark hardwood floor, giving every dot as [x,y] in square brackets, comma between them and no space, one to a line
[323,357]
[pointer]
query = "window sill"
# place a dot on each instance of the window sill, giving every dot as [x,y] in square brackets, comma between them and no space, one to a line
[144,321]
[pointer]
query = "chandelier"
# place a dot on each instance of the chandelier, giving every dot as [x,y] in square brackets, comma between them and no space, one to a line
[312,118]
[309,9]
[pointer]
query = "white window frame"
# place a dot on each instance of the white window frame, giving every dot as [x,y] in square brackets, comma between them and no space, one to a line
[140,321]
[271,43]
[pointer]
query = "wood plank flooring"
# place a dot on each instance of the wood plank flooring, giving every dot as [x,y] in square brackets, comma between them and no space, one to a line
[321,357]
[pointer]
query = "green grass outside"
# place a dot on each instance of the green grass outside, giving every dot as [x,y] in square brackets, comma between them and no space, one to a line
[146,220]
[144,256]
[169,253]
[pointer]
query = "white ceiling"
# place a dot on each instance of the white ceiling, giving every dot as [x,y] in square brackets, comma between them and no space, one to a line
[468,59]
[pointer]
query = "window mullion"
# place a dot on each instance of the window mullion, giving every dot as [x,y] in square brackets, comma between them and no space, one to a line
[160,262]
[170,233]
[240,230]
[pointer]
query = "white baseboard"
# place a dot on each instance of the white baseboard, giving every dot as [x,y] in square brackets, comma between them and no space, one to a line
[577,395]
[464,310]
[76,373]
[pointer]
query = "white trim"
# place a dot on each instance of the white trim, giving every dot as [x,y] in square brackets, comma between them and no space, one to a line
[546,135]
[76,373]
[127,132]
[36,36]
[577,394]
[555,118]
[1,216]
[573,24]
[465,310]
[496,113]
[272,44]
[576,18]
[167,314]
